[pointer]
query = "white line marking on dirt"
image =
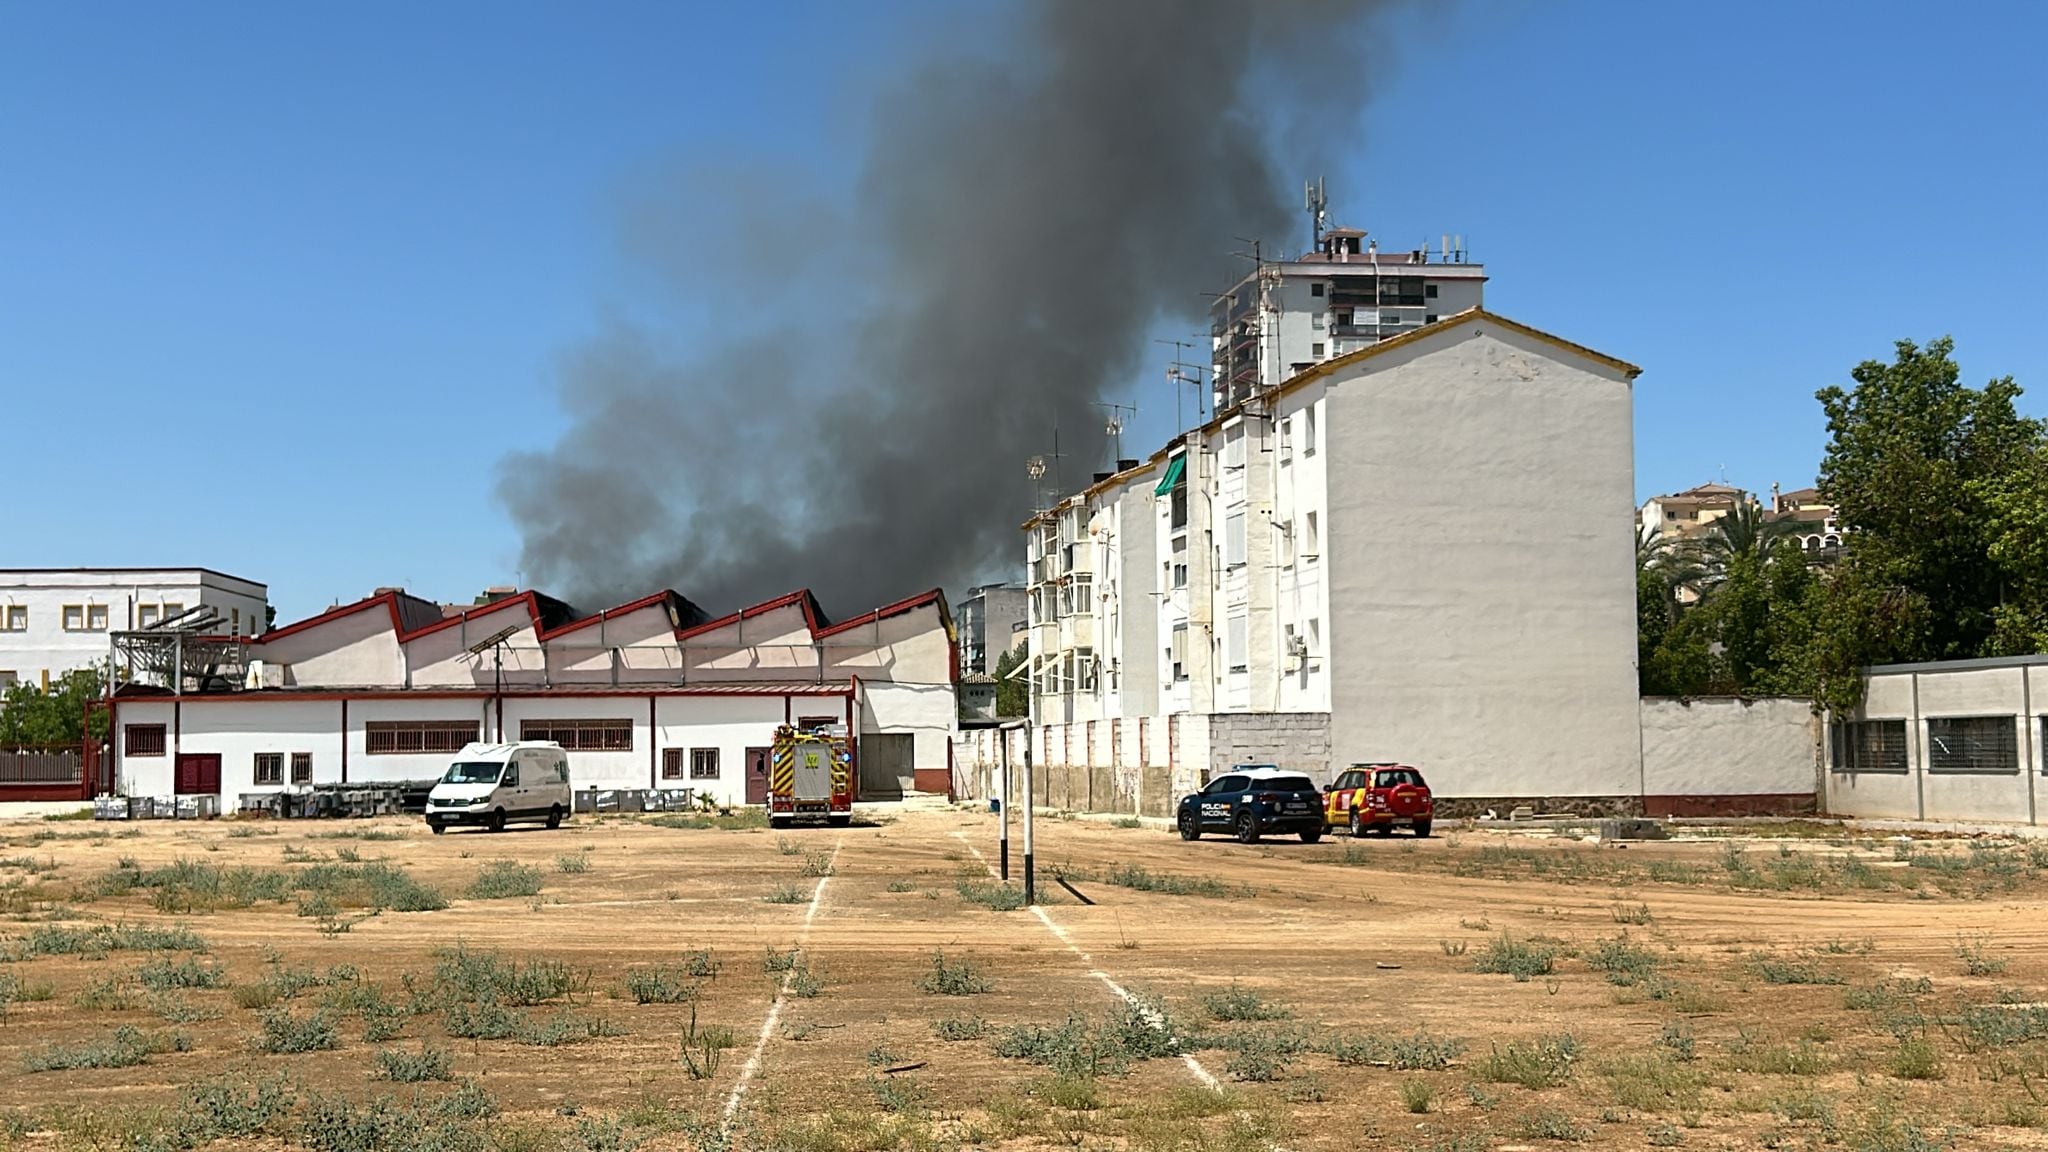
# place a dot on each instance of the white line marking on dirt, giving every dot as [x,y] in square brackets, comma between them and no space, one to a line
[1195,1069]
[753,1064]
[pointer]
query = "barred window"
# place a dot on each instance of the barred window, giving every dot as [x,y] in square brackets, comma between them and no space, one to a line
[402,737]
[703,763]
[302,767]
[671,763]
[1870,745]
[581,735]
[1979,744]
[143,739]
[270,768]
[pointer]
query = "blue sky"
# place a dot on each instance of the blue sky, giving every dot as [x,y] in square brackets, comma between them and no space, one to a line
[279,285]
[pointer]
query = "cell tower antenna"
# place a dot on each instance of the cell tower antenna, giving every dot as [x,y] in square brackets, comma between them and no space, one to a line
[1317,203]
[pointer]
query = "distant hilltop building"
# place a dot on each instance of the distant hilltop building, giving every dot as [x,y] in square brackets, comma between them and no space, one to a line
[1688,514]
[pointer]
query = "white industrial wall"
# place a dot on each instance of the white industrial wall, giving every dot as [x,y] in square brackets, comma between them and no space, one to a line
[358,650]
[731,724]
[1701,755]
[144,775]
[928,712]
[1480,576]
[404,766]
[1919,793]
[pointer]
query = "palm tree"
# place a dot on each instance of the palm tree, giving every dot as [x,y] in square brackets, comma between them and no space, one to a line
[1744,531]
[1670,562]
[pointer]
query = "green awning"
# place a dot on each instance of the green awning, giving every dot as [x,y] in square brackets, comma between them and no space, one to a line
[1172,478]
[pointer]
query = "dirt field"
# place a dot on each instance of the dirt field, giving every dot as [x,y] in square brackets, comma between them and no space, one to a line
[236,983]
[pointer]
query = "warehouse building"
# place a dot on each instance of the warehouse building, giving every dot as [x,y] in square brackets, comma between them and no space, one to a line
[653,694]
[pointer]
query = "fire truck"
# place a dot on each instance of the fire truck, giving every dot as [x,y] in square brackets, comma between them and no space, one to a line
[810,777]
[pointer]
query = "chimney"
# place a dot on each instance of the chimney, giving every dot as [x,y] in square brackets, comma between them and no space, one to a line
[1101,476]
[1126,465]
[495,593]
[1777,504]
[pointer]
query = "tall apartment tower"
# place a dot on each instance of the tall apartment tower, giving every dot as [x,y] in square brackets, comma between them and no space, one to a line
[1342,295]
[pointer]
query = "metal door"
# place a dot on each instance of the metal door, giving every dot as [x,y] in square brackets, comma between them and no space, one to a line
[757,775]
[198,774]
[886,766]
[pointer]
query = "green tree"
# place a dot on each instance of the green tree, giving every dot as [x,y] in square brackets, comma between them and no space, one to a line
[1011,698]
[1743,532]
[1922,473]
[32,717]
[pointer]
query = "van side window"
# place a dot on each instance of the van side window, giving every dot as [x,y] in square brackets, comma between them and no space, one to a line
[511,777]
[561,769]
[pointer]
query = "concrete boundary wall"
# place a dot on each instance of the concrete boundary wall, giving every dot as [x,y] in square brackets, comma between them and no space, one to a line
[1717,756]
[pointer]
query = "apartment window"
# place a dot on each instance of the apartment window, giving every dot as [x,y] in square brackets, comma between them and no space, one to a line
[671,763]
[1176,652]
[145,615]
[96,617]
[1312,538]
[1180,574]
[1084,669]
[1315,636]
[1233,540]
[1316,320]
[1084,592]
[404,737]
[1234,643]
[581,735]
[173,609]
[16,618]
[1286,439]
[9,678]
[1973,744]
[1233,447]
[1316,350]
[269,768]
[1869,745]
[234,621]
[74,618]
[302,767]
[1308,431]
[1316,289]
[143,740]
[1429,292]
[703,763]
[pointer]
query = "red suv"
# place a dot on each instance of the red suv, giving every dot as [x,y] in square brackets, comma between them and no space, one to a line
[1379,798]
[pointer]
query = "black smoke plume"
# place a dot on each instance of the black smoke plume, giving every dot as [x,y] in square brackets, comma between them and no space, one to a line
[1027,211]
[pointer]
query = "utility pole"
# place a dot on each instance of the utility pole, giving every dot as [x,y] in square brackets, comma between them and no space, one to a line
[1030,892]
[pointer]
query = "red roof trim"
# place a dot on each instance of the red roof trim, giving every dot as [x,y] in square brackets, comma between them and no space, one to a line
[526,598]
[801,597]
[388,599]
[644,602]
[921,600]
[577,691]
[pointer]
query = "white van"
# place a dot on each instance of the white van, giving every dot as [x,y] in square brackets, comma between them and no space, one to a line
[491,784]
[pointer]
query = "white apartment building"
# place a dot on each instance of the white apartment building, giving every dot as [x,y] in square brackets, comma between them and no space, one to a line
[1290,315]
[1423,546]
[55,620]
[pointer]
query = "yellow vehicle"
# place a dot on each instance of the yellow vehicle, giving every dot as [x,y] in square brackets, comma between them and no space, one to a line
[810,776]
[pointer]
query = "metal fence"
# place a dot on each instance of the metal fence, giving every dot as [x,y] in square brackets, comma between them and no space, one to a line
[31,766]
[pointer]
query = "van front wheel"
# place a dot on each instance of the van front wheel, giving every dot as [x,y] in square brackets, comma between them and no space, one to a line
[496,823]
[555,816]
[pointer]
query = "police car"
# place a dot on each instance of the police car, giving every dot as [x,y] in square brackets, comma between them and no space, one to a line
[1251,800]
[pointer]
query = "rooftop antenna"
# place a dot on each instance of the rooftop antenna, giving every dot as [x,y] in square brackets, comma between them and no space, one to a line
[1114,426]
[1317,203]
[1179,372]
[495,645]
[1034,467]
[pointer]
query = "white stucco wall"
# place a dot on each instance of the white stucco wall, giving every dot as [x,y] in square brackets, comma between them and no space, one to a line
[358,650]
[1480,572]
[406,766]
[1723,746]
[731,724]
[144,775]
